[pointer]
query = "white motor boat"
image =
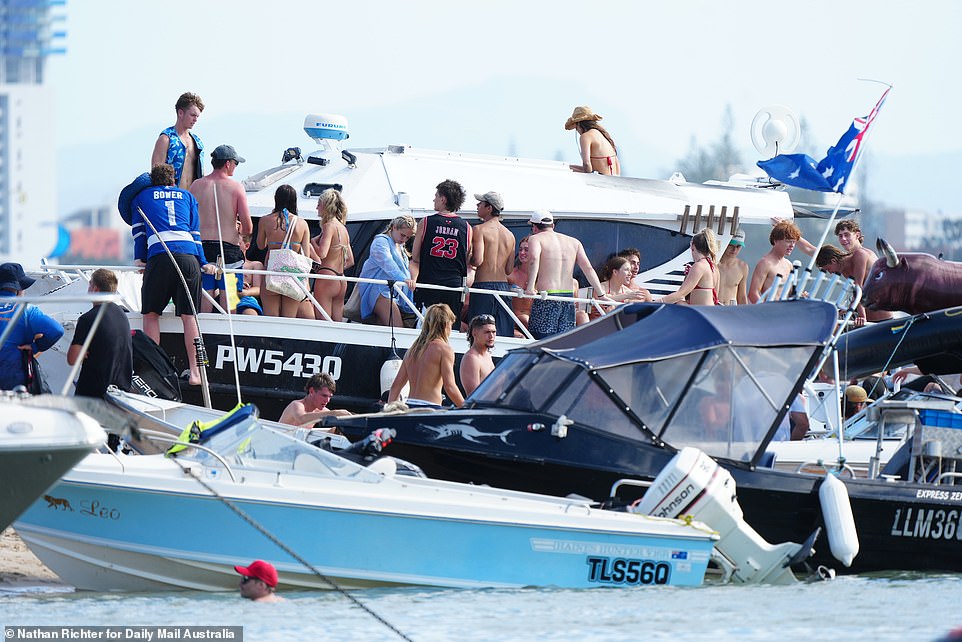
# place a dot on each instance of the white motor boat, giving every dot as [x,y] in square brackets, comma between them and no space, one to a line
[275,356]
[38,444]
[239,489]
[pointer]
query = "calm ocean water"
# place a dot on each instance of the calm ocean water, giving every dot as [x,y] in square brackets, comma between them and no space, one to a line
[903,608]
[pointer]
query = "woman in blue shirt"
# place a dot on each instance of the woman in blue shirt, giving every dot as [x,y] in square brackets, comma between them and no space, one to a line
[387,260]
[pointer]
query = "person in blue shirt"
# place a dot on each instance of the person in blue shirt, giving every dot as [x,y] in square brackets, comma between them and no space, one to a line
[34,330]
[172,217]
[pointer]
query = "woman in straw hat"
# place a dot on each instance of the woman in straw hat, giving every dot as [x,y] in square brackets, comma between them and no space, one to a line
[598,151]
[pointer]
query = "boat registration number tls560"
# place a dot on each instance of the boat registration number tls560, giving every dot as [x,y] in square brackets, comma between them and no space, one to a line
[619,570]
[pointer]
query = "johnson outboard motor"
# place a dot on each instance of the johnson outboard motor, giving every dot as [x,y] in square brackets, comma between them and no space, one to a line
[693,484]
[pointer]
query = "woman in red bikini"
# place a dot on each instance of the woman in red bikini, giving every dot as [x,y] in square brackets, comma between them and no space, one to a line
[598,151]
[700,286]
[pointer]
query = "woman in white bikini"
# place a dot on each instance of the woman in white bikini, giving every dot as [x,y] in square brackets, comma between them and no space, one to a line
[333,249]
[598,151]
[700,286]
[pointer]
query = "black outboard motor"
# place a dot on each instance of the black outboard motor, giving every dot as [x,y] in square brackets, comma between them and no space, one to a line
[366,451]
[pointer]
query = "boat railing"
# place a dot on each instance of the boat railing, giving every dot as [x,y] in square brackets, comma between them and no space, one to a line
[502,297]
[640,483]
[167,439]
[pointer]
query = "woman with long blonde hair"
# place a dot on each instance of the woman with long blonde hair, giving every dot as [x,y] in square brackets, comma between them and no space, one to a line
[387,260]
[333,249]
[428,364]
[700,286]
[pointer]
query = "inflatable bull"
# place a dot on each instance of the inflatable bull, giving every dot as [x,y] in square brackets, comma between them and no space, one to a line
[913,282]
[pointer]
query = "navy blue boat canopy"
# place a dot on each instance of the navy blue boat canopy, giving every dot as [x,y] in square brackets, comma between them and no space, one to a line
[651,331]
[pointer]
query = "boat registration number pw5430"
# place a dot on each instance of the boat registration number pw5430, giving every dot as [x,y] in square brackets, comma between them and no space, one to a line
[618,570]
[275,362]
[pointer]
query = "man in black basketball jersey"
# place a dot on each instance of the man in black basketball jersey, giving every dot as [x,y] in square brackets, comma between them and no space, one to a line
[442,247]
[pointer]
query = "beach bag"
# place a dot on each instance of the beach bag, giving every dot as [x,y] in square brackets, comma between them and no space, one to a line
[352,307]
[35,382]
[287,260]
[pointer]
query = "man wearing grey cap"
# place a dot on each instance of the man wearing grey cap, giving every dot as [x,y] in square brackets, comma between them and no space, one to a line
[492,253]
[733,273]
[34,330]
[224,217]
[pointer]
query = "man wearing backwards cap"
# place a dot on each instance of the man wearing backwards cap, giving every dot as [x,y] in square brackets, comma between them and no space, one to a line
[259,581]
[551,263]
[221,205]
[733,273]
[34,330]
[492,253]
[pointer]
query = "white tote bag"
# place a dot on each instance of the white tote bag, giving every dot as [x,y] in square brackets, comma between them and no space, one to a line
[285,259]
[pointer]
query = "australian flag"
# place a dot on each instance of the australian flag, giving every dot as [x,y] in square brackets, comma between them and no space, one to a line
[831,174]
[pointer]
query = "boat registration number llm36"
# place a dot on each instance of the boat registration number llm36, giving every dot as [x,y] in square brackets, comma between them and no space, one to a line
[927,523]
[275,362]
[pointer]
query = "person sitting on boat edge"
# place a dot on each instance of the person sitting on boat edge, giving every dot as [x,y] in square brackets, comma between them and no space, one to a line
[598,151]
[428,364]
[492,253]
[34,330]
[258,582]
[476,363]
[334,253]
[307,411]
[388,260]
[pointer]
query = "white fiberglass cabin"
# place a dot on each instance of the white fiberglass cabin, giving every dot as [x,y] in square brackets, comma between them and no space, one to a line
[275,356]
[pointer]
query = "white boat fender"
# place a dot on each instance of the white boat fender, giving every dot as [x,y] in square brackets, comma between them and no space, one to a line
[389,370]
[839,521]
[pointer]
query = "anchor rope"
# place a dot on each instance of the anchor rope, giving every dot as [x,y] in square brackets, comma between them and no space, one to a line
[281,545]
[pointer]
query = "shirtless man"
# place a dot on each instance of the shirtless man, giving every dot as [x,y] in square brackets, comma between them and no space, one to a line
[313,407]
[222,204]
[783,238]
[178,146]
[733,273]
[429,363]
[552,258]
[476,364]
[834,261]
[850,238]
[492,253]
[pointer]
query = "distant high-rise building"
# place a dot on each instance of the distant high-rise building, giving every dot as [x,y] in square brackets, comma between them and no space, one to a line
[30,31]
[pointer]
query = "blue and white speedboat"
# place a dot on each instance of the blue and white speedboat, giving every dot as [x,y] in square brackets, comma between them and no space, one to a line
[244,491]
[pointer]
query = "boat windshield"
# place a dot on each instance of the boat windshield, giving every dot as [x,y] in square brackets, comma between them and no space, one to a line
[723,401]
[254,446]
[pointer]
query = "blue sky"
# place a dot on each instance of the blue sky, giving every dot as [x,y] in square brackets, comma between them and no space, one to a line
[499,76]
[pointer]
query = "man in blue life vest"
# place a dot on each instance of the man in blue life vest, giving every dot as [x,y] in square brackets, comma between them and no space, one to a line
[442,246]
[172,220]
[178,146]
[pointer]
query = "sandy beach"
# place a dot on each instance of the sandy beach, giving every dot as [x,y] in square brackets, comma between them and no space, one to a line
[19,567]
